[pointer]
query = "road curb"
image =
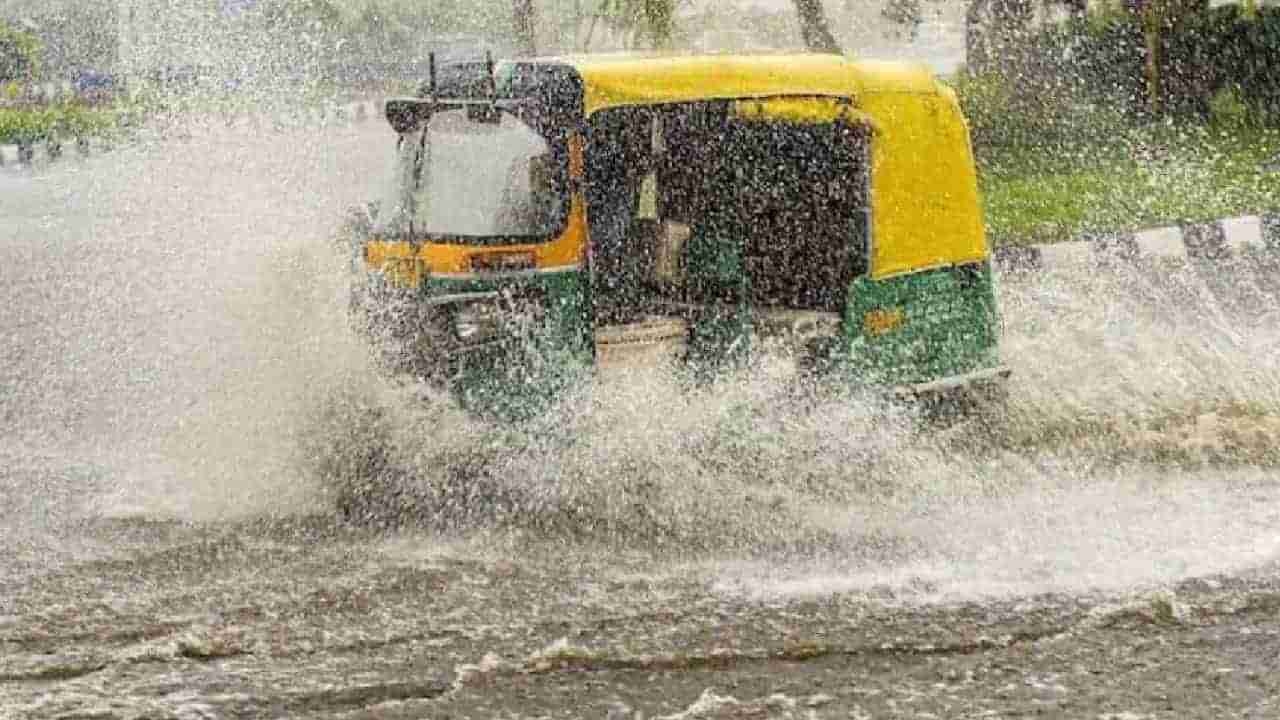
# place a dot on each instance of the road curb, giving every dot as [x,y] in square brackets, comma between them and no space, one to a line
[49,152]
[1200,242]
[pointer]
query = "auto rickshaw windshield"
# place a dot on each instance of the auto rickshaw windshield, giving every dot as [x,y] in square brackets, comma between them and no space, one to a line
[493,179]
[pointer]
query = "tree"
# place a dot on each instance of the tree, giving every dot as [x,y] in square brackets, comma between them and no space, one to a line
[524,18]
[814,28]
[992,27]
[905,14]
[652,20]
[19,54]
[69,36]
[1158,18]
[998,31]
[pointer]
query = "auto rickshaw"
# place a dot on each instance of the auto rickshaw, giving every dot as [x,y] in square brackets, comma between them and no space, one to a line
[556,217]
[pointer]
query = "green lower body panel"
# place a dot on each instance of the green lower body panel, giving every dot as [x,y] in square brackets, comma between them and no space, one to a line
[719,338]
[507,346]
[720,333]
[542,355]
[919,328]
[512,345]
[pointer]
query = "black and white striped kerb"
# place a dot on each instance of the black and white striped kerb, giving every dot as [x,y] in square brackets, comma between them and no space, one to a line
[1109,247]
[1203,242]
[1271,231]
[1018,258]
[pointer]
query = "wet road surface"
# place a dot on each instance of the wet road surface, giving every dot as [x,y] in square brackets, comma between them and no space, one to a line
[174,351]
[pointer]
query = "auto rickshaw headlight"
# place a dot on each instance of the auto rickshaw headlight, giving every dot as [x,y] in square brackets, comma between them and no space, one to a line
[475,323]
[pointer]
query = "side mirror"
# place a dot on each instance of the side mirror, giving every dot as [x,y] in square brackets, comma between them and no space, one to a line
[407,114]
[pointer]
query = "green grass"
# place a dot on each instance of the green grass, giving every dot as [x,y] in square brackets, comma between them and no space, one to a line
[66,121]
[1147,177]
[35,124]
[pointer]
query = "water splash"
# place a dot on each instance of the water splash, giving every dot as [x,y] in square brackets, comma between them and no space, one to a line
[174,302]
[1165,373]
[179,331]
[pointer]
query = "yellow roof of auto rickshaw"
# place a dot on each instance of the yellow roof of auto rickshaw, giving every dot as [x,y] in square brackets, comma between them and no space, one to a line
[611,81]
[925,210]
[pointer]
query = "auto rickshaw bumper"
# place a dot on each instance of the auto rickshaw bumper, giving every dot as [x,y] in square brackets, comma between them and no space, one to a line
[979,379]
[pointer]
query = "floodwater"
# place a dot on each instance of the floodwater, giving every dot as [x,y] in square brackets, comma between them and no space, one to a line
[181,397]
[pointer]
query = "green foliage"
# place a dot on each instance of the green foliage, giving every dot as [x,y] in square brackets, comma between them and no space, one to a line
[987,103]
[1228,110]
[400,30]
[1096,60]
[307,16]
[1145,177]
[73,36]
[1225,48]
[1007,113]
[1101,59]
[643,20]
[36,124]
[1073,88]
[19,54]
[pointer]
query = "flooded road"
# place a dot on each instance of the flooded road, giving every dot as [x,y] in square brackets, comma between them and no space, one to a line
[180,396]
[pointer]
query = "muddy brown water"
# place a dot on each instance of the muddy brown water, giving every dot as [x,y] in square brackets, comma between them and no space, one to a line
[180,393]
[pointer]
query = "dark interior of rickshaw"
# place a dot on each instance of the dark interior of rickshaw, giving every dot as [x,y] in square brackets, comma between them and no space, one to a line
[690,206]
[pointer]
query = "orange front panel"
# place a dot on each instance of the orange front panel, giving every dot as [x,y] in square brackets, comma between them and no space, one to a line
[405,266]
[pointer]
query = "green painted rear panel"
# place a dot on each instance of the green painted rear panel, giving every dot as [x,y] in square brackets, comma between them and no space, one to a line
[720,335]
[947,326]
